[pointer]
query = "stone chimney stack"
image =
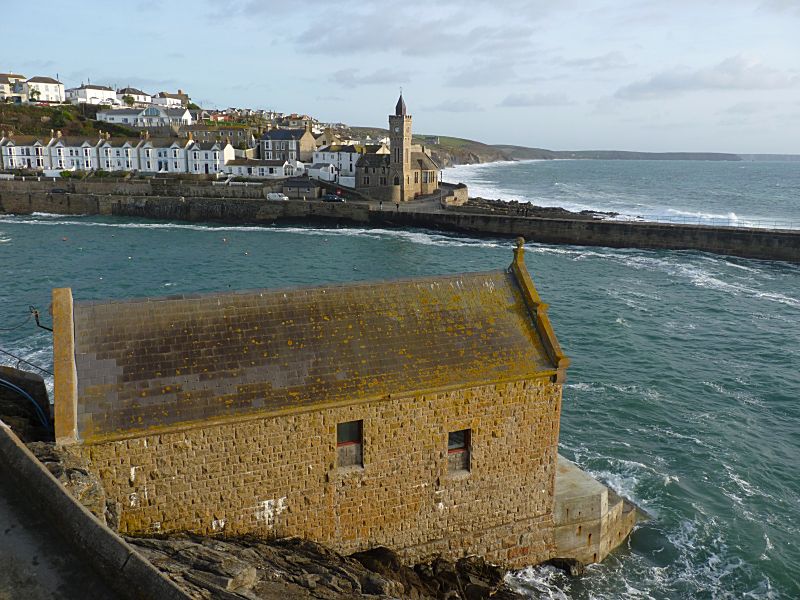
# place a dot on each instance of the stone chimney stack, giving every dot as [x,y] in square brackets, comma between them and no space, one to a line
[58,134]
[108,135]
[190,136]
[52,134]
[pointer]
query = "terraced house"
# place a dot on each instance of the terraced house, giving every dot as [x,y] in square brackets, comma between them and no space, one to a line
[420,414]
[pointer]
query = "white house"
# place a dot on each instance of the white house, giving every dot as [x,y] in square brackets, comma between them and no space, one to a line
[43,89]
[322,171]
[7,83]
[139,97]
[23,152]
[257,168]
[92,94]
[118,154]
[152,116]
[344,159]
[164,155]
[73,153]
[206,158]
[170,100]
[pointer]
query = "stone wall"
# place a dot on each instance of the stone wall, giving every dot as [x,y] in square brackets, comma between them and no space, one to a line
[278,476]
[735,241]
[181,208]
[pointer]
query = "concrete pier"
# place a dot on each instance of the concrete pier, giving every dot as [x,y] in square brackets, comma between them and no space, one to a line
[590,518]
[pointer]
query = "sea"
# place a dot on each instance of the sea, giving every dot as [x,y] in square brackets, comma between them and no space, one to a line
[684,389]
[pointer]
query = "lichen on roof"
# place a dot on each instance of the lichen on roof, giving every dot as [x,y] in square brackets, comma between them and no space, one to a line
[166,362]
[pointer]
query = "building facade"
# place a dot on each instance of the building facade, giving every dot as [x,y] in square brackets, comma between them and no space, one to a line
[138,97]
[151,116]
[8,81]
[42,89]
[92,94]
[288,144]
[418,414]
[409,170]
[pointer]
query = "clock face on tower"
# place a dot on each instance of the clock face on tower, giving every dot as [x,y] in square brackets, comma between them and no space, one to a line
[396,129]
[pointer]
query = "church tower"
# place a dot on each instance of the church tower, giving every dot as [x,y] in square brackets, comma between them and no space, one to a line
[400,158]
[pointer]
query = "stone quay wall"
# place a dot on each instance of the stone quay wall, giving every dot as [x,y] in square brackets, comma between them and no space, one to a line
[202,201]
[277,476]
[735,241]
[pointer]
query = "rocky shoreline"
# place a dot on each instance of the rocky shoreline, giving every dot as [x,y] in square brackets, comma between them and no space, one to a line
[515,208]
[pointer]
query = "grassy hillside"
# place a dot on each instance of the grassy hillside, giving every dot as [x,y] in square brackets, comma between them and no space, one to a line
[524,153]
[449,151]
[69,119]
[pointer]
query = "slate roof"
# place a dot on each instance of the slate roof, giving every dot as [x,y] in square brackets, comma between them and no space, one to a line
[122,112]
[91,86]
[255,162]
[420,160]
[158,363]
[283,134]
[132,91]
[24,140]
[374,160]
[43,80]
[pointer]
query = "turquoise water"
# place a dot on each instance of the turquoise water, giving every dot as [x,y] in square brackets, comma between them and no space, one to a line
[723,193]
[682,395]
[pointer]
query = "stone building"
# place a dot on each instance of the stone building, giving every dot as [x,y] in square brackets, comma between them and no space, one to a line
[420,414]
[406,172]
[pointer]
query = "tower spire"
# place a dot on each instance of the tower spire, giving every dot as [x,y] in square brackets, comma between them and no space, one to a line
[400,109]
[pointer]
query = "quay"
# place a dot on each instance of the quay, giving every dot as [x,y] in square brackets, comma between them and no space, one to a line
[202,201]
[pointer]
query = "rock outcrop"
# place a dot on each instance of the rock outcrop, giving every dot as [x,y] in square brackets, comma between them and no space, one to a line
[292,569]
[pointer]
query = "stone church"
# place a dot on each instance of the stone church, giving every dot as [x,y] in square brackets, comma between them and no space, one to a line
[406,172]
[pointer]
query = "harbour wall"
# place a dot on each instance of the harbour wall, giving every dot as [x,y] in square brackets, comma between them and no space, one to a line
[200,201]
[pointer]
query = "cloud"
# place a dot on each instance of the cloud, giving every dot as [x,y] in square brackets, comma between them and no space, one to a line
[455,106]
[482,73]
[548,99]
[781,6]
[734,73]
[744,108]
[352,78]
[603,62]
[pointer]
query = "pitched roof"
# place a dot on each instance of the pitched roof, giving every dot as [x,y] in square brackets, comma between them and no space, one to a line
[172,361]
[39,79]
[25,140]
[121,112]
[132,91]
[255,162]
[91,86]
[284,134]
[420,160]
[164,142]
[374,160]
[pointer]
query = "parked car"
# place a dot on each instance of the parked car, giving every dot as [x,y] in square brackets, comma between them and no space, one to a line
[332,198]
[277,196]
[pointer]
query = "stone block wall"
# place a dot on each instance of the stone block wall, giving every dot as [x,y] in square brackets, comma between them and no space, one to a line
[278,475]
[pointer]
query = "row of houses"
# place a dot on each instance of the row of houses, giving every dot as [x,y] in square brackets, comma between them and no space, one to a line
[146,155]
[89,93]
[18,88]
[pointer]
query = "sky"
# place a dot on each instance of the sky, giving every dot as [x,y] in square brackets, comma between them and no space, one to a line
[647,75]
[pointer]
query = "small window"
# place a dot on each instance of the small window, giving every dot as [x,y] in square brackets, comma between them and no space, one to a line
[458,443]
[349,444]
